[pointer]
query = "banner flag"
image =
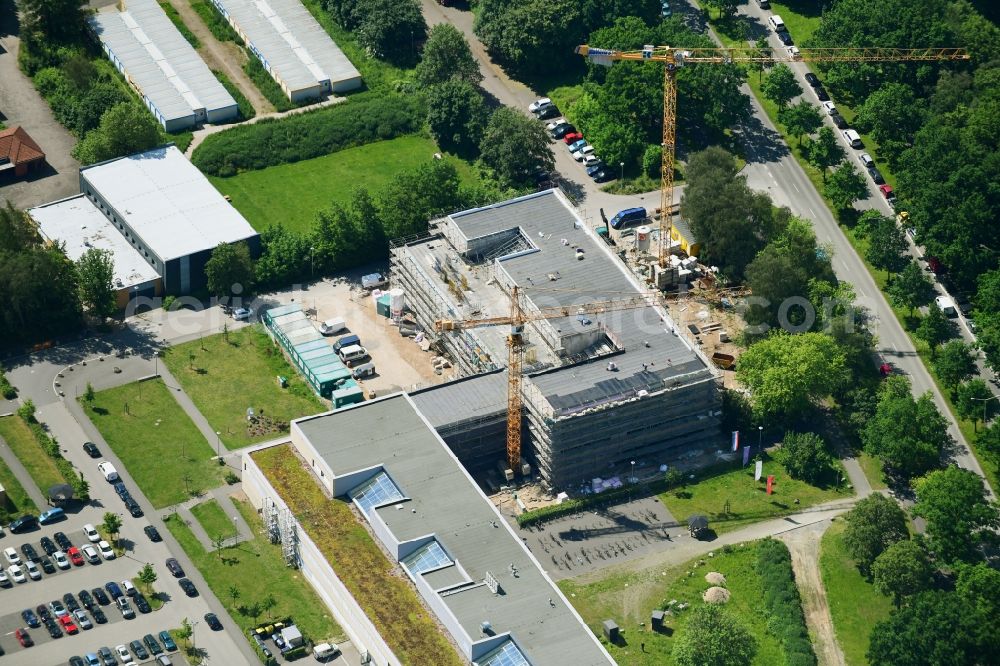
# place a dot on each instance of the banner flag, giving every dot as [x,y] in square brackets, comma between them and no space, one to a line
[736,440]
[746,456]
[770,484]
[759,470]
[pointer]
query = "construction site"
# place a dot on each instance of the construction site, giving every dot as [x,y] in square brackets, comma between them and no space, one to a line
[534,306]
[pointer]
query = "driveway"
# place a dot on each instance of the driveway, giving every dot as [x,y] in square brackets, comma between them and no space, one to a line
[20,104]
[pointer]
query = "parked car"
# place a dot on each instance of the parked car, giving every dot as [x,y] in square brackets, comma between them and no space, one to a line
[90,553]
[140,652]
[23,524]
[47,545]
[68,625]
[853,138]
[188,587]
[164,660]
[100,597]
[572,138]
[29,552]
[99,616]
[829,108]
[821,93]
[107,658]
[108,471]
[242,314]
[114,591]
[546,112]
[33,571]
[581,154]
[866,160]
[602,176]
[120,489]
[876,175]
[151,643]
[141,603]
[57,608]
[125,608]
[793,52]
[92,659]
[123,654]
[561,131]
[30,618]
[128,588]
[812,80]
[16,573]
[43,613]
[133,508]
[152,533]
[4,578]
[91,449]
[62,540]
[91,533]
[886,191]
[11,556]
[107,552]
[168,642]
[784,38]
[81,618]
[46,562]
[74,556]
[53,628]
[534,106]
[70,601]
[594,168]
[23,637]
[212,620]
[556,123]
[576,145]
[61,560]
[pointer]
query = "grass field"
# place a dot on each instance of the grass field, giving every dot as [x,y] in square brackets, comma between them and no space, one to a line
[292,194]
[214,519]
[17,502]
[22,442]
[159,445]
[256,568]
[748,499]
[224,378]
[855,605]
[386,597]
[629,598]
[801,17]
[872,467]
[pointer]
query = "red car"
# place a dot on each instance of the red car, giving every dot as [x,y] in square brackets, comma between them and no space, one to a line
[67,622]
[572,138]
[886,191]
[75,556]
[23,638]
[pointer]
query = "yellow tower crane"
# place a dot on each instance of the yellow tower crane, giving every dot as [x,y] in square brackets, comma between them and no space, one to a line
[673,58]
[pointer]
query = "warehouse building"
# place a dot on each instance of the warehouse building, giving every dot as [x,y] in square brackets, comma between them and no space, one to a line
[80,226]
[167,210]
[163,68]
[600,391]
[482,584]
[294,49]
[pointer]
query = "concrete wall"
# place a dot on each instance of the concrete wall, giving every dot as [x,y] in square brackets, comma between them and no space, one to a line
[315,568]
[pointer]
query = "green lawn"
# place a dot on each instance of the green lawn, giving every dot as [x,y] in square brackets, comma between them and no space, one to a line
[872,467]
[159,445]
[18,502]
[22,442]
[292,194]
[748,499]
[801,17]
[213,519]
[257,568]
[629,598]
[855,605]
[224,378]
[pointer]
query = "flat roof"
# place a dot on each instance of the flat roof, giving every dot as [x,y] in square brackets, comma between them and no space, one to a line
[168,202]
[654,357]
[291,42]
[442,500]
[81,225]
[159,61]
[465,399]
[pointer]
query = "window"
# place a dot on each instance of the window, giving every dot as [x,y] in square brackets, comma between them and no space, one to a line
[507,654]
[376,491]
[429,556]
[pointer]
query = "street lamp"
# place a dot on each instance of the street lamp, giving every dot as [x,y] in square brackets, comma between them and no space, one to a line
[236,528]
[986,402]
[760,439]
[218,446]
[312,264]
[631,481]
[622,165]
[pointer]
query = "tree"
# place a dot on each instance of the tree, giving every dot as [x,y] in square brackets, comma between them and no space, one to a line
[186,630]
[652,161]
[935,328]
[902,570]
[954,364]
[230,269]
[58,20]
[762,47]
[911,288]
[17,231]
[845,186]
[391,29]
[89,393]
[958,512]
[891,115]
[614,140]
[825,151]
[514,147]
[147,576]
[531,36]
[112,524]
[805,456]
[447,56]
[253,610]
[415,197]
[284,257]
[988,441]
[887,247]
[786,374]
[673,478]
[781,86]
[727,8]
[875,523]
[979,587]
[713,636]
[96,268]
[933,628]
[908,434]
[987,293]
[268,604]
[234,593]
[801,118]
[125,129]
[456,113]
[973,400]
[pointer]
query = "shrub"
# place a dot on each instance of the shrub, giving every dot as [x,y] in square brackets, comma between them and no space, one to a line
[361,120]
[27,411]
[781,599]
[246,108]
[267,86]
[7,389]
[49,444]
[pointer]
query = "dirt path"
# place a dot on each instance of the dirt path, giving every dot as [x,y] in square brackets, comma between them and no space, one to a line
[222,56]
[804,548]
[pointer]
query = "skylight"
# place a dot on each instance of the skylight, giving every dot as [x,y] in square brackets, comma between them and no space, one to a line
[375,492]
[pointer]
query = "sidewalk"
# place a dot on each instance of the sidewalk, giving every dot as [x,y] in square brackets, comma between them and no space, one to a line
[189,408]
[222,495]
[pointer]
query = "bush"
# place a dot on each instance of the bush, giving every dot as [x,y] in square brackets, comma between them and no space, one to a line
[49,444]
[781,599]
[7,389]
[215,23]
[246,108]
[266,84]
[652,161]
[361,120]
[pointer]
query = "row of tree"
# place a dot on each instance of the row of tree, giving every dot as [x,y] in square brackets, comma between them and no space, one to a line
[388,29]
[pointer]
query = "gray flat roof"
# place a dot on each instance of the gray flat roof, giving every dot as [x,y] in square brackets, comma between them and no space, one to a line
[465,399]
[654,355]
[291,42]
[168,202]
[442,500]
[81,225]
[159,61]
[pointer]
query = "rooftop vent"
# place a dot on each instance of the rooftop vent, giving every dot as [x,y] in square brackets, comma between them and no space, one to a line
[486,627]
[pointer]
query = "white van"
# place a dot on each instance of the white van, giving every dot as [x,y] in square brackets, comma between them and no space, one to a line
[946,305]
[332,326]
[352,353]
[324,651]
[853,138]
[363,370]
[109,471]
[776,23]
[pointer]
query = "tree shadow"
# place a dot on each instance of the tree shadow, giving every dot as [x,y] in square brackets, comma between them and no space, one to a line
[766,144]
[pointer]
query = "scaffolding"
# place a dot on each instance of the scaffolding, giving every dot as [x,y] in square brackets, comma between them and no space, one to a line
[271,521]
[289,538]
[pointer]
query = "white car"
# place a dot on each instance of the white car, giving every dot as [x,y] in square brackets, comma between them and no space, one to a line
[61,560]
[128,588]
[555,123]
[12,556]
[16,573]
[33,571]
[108,471]
[866,160]
[534,106]
[830,108]
[81,618]
[124,654]
[90,553]
[793,52]
[4,578]
[582,153]
[91,533]
[591,160]
[107,552]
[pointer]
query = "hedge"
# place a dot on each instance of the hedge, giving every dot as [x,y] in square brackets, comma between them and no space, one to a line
[576,504]
[7,389]
[363,119]
[242,103]
[781,598]
[266,84]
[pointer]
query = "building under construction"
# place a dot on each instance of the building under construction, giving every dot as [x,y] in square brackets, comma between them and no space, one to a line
[602,392]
